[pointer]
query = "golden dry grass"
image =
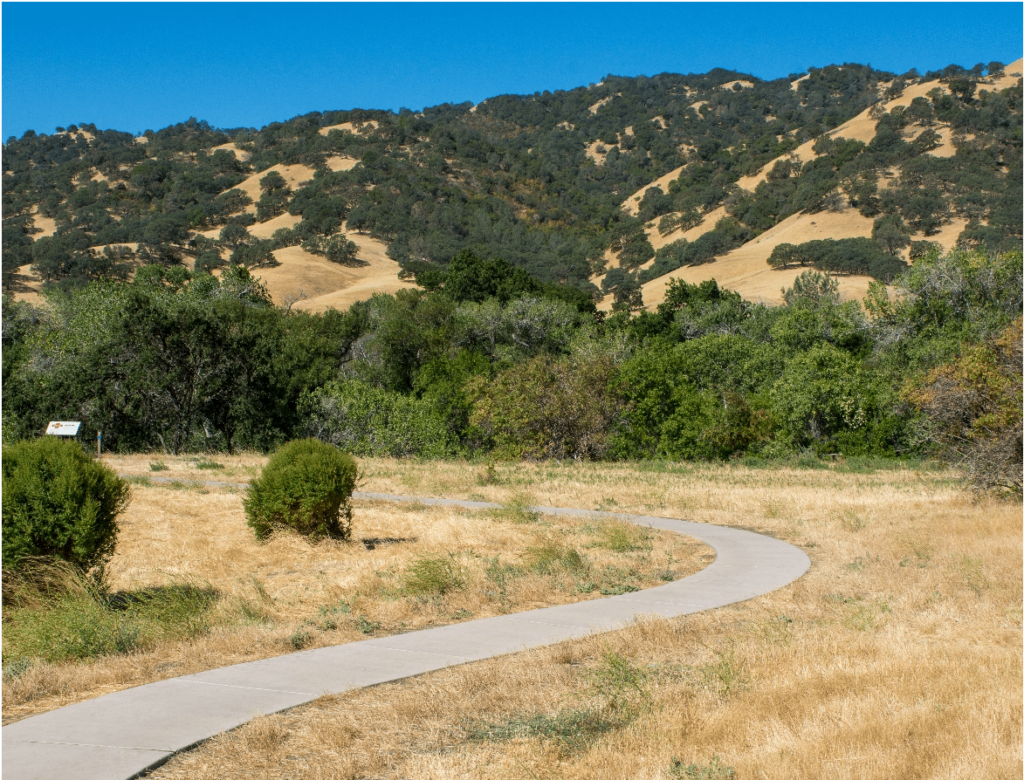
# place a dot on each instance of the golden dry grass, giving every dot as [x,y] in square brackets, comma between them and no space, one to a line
[349,127]
[380,274]
[241,154]
[897,655]
[746,270]
[287,594]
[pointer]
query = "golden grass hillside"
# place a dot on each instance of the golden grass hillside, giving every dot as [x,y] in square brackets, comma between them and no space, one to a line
[408,566]
[744,269]
[897,655]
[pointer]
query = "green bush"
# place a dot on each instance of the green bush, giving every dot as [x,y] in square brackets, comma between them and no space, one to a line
[306,486]
[59,503]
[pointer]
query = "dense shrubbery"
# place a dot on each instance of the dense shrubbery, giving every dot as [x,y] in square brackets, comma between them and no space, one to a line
[305,486]
[974,408]
[367,420]
[58,503]
[492,363]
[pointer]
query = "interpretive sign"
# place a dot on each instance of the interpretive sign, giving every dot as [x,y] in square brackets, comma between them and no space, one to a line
[58,428]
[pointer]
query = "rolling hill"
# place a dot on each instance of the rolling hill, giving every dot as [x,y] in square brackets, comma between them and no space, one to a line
[615,187]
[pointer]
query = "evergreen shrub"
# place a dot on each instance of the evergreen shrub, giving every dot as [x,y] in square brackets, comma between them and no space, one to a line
[59,503]
[306,486]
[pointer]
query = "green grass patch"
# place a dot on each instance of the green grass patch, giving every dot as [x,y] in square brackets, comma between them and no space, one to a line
[189,485]
[516,510]
[551,555]
[433,575]
[622,537]
[84,622]
[571,730]
[501,574]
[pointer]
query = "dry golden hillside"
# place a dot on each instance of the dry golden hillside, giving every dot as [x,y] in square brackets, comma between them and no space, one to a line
[745,269]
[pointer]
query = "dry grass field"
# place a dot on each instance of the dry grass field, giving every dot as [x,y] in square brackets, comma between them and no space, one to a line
[897,655]
[408,566]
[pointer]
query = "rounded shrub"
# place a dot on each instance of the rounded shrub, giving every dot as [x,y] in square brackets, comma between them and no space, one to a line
[306,486]
[59,503]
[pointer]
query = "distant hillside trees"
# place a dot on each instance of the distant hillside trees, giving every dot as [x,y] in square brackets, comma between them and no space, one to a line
[512,179]
[860,256]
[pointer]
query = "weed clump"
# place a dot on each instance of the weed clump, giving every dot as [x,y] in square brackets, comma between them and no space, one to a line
[306,486]
[551,554]
[434,575]
[58,503]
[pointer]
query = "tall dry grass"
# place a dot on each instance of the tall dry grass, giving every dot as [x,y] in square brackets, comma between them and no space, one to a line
[897,655]
[287,594]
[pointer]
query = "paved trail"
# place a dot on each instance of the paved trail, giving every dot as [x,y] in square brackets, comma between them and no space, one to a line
[122,734]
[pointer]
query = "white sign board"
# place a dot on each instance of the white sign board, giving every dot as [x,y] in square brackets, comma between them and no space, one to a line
[57,428]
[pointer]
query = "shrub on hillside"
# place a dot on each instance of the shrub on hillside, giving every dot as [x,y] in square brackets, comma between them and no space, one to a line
[861,256]
[306,486]
[59,503]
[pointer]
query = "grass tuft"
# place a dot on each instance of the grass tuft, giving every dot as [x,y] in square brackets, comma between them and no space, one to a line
[516,510]
[434,575]
[711,771]
[207,464]
[551,554]
[83,621]
[620,536]
[572,730]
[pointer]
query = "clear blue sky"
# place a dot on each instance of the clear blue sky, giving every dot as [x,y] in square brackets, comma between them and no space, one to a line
[144,66]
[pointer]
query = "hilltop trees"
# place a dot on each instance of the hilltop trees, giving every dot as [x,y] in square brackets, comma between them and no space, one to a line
[843,256]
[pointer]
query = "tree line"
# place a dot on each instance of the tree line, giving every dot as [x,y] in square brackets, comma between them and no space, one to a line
[483,358]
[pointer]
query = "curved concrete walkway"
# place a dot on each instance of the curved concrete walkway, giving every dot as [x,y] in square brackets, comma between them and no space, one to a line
[123,734]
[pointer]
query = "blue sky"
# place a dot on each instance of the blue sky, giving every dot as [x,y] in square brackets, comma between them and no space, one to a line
[144,66]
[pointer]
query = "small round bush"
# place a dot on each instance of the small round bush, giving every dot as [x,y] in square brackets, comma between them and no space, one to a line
[306,486]
[59,503]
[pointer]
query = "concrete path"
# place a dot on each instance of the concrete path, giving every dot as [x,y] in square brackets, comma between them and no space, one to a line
[123,734]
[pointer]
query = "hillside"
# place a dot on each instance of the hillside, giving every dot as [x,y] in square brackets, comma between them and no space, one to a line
[613,188]
[744,268]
